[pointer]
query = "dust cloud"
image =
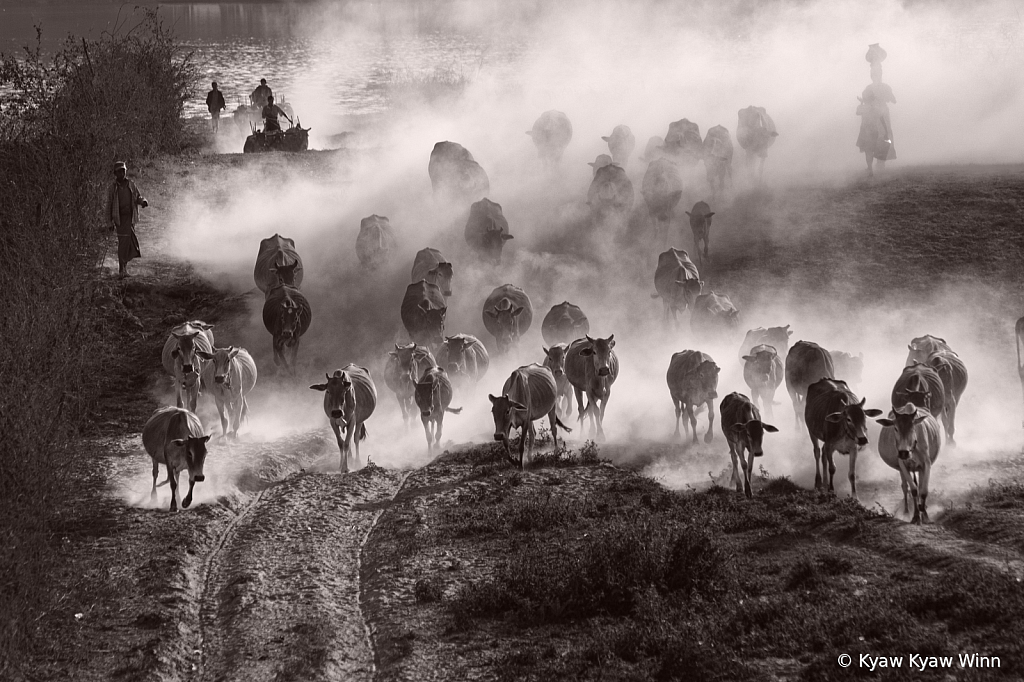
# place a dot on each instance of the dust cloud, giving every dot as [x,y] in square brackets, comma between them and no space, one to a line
[952,66]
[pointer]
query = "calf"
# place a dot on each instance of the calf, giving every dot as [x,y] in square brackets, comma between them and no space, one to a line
[910,443]
[433,396]
[286,315]
[230,374]
[700,223]
[349,399]
[806,363]
[554,359]
[744,431]
[528,395]
[762,370]
[174,437]
[693,380]
[463,356]
[592,367]
[834,416]
[181,361]
[404,366]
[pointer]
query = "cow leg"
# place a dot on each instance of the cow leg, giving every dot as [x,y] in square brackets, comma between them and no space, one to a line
[735,465]
[679,412]
[553,420]
[747,459]
[524,433]
[223,417]
[178,402]
[405,412]
[767,400]
[707,242]
[710,435]
[172,478]
[156,472]
[853,474]
[341,446]
[187,502]
[817,460]
[358,431]
[795,397]
[438,428]
[828,453]
[906,489]
[579,405]
[237,408]
[294,348]
[693,422]
[922,491]
[949,421]
[600,422]
[426,432]
[350,431]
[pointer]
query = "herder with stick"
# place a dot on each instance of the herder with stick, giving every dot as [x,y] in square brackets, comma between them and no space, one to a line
[123,201]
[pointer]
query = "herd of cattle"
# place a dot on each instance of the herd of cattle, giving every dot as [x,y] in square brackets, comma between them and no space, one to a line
[425,373]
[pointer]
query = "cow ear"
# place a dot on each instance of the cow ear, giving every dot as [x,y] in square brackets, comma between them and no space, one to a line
[506,237]
[748,358]
[769,428]
[709,214]
[921,418]
[611,341]
[872,412]
[234,352]
[208,356]
[204,439]
[588,338]
[686,212]
[911,346]
[886,422]
[835,417]
[492,398]
[517,311]
[546,350]
[862,401]
[319,387]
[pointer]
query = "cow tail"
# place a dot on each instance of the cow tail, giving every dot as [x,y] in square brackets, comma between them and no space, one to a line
[558,422]
[245,409]
[453,410]
[362,432]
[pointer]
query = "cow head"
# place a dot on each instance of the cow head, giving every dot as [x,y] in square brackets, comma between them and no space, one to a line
[494,239]
[760,364]
[289,322]
[555,359]
[703,382]
[700,221]
[193,449]
[285,273]
[923,346]
[600,162]
[689,290]
[442,277]
[339,397]
[184,355]
[456,354]
[426,388]
[221,358]
[506,317]
[505,419]
[852,421]
[433,323]
[903,422]
[600,352]
[750,435]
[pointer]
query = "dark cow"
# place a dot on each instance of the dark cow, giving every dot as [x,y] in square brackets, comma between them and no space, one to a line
[405,365]
[755,133]
[700,224]
[375,242]
[611,193]
[601,161]
[762,370]
[507,315]
[920,385]
[180,359]
[692,381]
[806,363]
[910,443]
[776,337]
[230,374]
[714,317]
[455,175]
[653,150]
[683,143]
[349,399]
[922,347]
[528,395]
[430,266]
[423,313]
[551,133]
[554,359]
[662,189]
[621,144]
[464,357]
[592,367]
[744,431]
[677,282]
[277,262]
[487,230]
[848,367]
[953,373]
[174,437]
[286,315]
[1018,330]
[835,417]
[718,158]
[564,323]
[433,397]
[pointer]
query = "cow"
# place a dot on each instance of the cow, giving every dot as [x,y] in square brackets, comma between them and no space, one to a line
[1018,331]
[848,367]
[835,417]
[714,316]
[528,394]
[551,134]
[662,188]
[601,161]
[653,150]
[277,262]
[762,370]
[430,266]
[920,385]
[375,242]
[174,437]
[953,373]
[744,432]
[455,175]
[554,359]
[286,315]
[592,367]
[776,337]
[910,443]
[718,158]
[463,356]
[181,362]
[611,193]
[676,282]
[433,397]
[230,374]
[564,323]
[683,143]
[423,313]
[349,399]
[700,224]
[806,363]
[922,347]
[404,366]
[507,315]
[692,381]
[755,133]
[621,144]
[487,230]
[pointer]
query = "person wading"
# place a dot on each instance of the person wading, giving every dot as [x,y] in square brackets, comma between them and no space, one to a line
[270,114]
[215,103]
[123,201]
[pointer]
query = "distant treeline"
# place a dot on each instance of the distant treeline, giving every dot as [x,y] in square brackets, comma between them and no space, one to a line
[71,117]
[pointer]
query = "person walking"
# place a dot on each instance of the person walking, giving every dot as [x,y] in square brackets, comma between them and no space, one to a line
[262,94]
[215,103]
[875,139]
[123,202]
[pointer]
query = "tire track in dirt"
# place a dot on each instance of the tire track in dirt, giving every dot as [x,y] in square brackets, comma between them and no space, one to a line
[282,597]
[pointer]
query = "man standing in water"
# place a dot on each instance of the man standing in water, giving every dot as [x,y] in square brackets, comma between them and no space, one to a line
[875,138]
[215,103]
[123,201]
[262,94]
